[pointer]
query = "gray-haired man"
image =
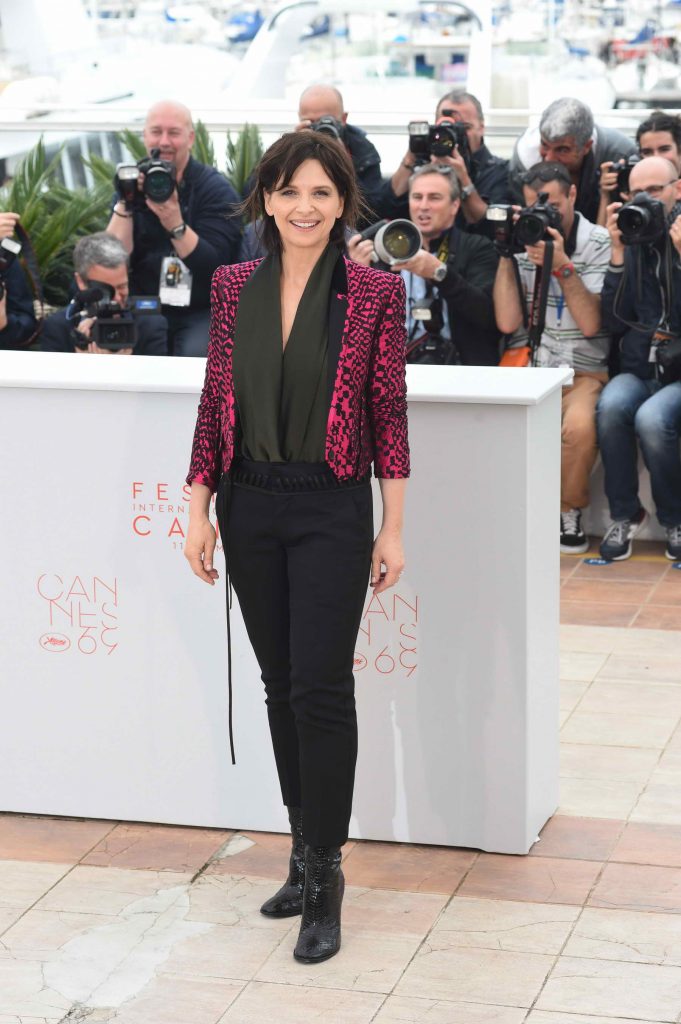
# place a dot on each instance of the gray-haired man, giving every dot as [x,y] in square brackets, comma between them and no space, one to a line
[567,135]
[101,259]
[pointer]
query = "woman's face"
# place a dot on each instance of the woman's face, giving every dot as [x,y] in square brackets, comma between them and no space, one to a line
[306,209]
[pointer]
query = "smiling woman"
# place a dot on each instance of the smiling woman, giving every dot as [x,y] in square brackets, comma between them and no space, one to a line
[305,387]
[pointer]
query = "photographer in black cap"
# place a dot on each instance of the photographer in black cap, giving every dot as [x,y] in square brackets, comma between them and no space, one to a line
[176,242]
[642,298]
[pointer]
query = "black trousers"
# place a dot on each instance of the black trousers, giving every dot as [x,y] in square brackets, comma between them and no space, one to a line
[298,550]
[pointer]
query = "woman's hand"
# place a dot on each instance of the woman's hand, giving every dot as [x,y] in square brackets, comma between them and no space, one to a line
[387,551]
[199,549]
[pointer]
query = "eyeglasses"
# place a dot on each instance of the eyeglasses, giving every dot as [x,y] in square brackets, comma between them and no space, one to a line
[657,190]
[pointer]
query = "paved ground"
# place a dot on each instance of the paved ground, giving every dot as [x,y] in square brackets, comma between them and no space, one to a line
[137,924]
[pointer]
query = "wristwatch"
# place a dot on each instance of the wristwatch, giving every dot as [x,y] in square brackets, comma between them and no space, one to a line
[567,270]
[468,190]
[440,272]
[178,232]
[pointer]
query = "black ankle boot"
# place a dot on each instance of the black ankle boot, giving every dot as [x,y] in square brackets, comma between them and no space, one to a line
[320,931]
[289,900]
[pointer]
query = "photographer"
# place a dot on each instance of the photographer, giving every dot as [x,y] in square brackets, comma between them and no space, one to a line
[17,319]
[482,177]
[453,276]
[321,108]
[660,135]
[101,259]
[567,135]
[176,244]
[572,333]
[642,298]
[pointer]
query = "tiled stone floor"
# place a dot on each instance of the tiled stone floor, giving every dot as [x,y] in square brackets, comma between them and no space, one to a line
[643,592]
[105,921]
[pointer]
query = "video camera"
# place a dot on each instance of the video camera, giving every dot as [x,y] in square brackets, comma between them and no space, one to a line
[115,325]
[642,220]
[394,241]
[158,180]
[441,139]
[328,125]
[530,227]
[9,250]
[623,168]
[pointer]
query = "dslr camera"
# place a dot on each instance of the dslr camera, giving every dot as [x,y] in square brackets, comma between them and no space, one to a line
[426,140]
[9,250]
[328,125]
[115,325]
[158,180]
[530,228]
[394,241]
[642,220]
[623,168]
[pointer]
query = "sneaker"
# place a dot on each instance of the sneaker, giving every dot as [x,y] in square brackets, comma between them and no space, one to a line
[673,550]
[616,545]
[573,540]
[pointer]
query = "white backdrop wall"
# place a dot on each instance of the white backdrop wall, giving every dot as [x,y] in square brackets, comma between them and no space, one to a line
[114,688]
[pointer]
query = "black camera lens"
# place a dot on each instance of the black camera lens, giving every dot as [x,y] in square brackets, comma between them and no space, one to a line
[158,184]
[632,220]
[328,125]
[442,140]
[531,228]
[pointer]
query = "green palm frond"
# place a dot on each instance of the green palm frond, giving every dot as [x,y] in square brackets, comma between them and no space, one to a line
[133,143]
[242,155]
[102,170]
[203,149]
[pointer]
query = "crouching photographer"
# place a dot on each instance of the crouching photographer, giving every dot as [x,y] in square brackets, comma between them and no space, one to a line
[642,297]
[547,299]
[449,279]
[102,318]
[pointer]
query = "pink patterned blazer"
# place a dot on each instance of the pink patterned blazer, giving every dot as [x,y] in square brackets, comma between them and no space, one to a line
[366,383]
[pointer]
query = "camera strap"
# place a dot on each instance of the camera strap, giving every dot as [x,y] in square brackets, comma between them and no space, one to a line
[540,295]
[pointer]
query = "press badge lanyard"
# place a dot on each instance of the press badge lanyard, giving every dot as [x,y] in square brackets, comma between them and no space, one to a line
[442,255]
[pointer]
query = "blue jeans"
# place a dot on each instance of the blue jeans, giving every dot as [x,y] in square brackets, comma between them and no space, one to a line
[632,409]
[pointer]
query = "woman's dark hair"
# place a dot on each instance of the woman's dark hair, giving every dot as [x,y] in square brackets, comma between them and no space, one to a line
[660,121]
[278,165]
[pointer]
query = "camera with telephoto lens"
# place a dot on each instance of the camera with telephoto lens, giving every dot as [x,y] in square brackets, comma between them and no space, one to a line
[328,125]
[531,226]
[442,139]
[9,250]
[115,325]
[623,169]
[642,220]
[395,241]
[158,182]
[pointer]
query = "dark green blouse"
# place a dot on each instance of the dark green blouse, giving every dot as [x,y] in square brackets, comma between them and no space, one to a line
[281,394]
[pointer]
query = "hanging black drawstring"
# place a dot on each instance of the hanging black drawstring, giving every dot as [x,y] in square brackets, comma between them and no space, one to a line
[222,506]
